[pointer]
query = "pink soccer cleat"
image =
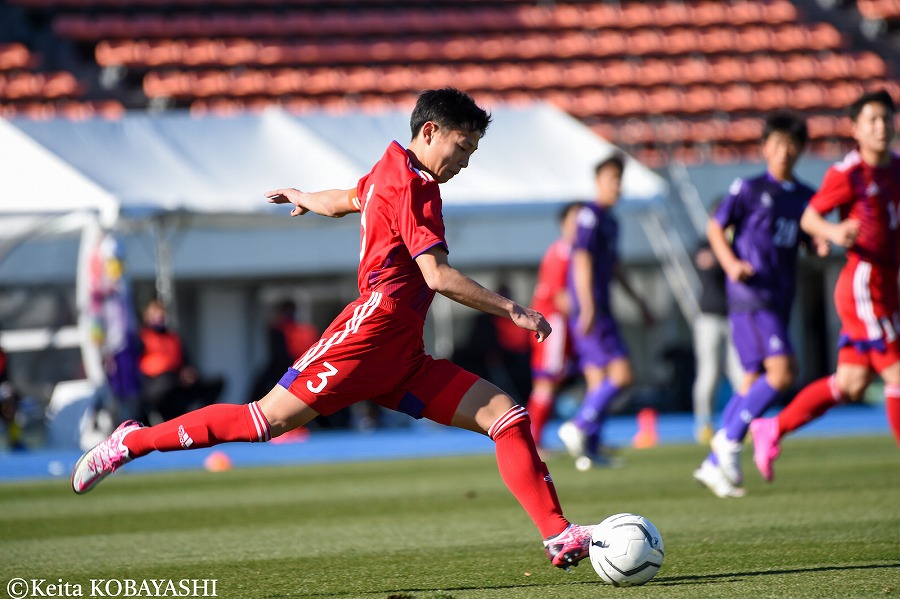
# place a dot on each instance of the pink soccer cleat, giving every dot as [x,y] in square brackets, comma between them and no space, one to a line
[103,459]
[570,546]
[765,445]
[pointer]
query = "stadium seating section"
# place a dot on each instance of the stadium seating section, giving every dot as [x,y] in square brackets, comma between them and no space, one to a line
[687,79]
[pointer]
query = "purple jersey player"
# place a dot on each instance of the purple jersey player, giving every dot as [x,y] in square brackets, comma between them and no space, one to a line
[602,355]
[761,263]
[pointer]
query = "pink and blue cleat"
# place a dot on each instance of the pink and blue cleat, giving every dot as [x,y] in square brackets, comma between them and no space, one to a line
[570,546]
[103,459]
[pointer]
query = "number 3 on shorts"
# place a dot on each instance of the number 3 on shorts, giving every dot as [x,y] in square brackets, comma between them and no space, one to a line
[323,376]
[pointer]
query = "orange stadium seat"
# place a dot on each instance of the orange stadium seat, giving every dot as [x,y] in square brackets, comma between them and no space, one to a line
[800,67]
[806,95]
[680,40]
[771,96]
[600,16]
[726,69]
[715,40]
[699,99]
[637,15]
[737,97]
[762,67]
[867,65]
[15,56]
[687,70]
[655,71]
[664,100]
[671,14]
[645,41]
[709,13]
[753,38]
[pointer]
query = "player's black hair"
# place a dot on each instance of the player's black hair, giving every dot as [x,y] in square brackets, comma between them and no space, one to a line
[566,208]
[789,123]
[449,108]
[880,96]
[615,158]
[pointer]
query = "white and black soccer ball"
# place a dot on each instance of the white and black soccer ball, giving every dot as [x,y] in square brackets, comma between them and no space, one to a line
[626,550]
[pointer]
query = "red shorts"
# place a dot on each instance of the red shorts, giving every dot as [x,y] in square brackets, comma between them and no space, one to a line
[374,351]
[866,299]
[552,358]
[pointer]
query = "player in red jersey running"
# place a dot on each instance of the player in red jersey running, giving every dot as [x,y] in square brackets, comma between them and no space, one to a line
[374,348]
[551,361]
[865,188]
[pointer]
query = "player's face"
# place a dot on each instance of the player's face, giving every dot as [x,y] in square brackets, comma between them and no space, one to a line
[874,128]
[448,151]
[609,185]
[781,152]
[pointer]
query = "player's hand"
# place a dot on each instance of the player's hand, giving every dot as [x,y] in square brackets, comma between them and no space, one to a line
[846,232]
[823,248]
[289,196]
[531,320]
[739,270]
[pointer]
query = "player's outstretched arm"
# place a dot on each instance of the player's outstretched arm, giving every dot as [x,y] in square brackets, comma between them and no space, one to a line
[843,233]
[334,203]
[451,283]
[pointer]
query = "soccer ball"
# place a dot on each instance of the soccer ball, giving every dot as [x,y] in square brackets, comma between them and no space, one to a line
[626,550]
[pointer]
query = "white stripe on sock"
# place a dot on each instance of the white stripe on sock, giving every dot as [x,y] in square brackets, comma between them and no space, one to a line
[510,417]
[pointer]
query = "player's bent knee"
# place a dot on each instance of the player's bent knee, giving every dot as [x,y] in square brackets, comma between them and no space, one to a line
[481,406]
[284,411]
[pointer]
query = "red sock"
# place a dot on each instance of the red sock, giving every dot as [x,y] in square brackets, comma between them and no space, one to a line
[539,406]
[524,473]
[892,404]
[218,423]
[813,400]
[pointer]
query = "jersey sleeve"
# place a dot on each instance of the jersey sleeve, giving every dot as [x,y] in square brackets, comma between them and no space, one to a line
[419,219]
[585,222]
[835,191]
[730,208]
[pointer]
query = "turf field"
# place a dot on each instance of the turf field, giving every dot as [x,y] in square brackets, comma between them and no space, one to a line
[447,528]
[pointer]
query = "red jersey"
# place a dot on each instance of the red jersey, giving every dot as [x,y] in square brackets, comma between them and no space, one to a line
[401,218]
[866,293]
[871,195]
[551,278]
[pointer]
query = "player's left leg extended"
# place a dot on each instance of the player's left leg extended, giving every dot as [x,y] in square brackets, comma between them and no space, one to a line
[278,412]
[488,410]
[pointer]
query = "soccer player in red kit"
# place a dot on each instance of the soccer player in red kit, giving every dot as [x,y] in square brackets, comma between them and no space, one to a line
[865,189]
[374,349]
[551,360]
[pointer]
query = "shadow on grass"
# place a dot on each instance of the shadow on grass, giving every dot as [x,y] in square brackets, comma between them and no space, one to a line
[445,592]
[731,576]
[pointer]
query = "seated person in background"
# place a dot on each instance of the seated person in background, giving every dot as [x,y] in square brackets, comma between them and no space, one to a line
[170,386]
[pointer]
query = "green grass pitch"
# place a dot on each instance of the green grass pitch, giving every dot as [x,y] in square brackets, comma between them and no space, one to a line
[447,528]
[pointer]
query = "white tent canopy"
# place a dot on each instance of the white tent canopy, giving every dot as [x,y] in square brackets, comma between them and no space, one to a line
[175,162]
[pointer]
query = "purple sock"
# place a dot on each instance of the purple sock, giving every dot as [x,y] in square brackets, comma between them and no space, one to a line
[593,410]
[753,405]
[728,414]
[730,410]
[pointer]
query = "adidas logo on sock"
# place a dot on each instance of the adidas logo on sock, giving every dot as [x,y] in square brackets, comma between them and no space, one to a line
[184,438]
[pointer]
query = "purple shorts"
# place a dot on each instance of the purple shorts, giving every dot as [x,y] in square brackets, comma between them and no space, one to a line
[601,345]
[759,335]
